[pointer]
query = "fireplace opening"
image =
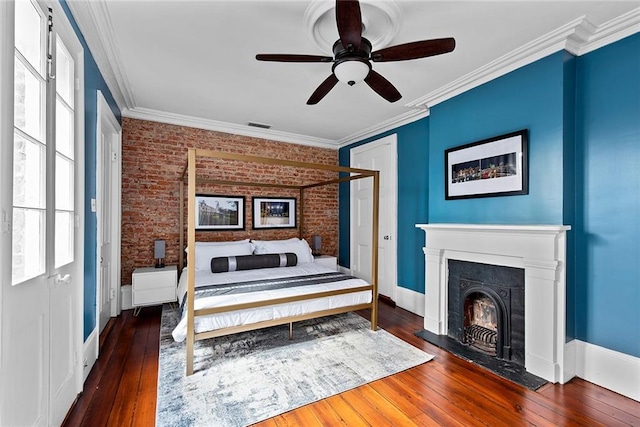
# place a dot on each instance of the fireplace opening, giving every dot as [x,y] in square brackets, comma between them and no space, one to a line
[481,323]
[486,309]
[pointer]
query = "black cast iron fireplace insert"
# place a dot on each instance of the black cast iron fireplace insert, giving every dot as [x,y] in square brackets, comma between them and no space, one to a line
[486,319]
[486,308]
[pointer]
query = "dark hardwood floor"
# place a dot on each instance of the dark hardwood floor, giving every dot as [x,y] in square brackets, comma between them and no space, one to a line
[121,389]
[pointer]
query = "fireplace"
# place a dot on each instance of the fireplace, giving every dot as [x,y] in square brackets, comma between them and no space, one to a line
[539,251]
[486,308]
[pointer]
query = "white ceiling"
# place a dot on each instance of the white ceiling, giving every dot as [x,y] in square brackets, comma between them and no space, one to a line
[193,62]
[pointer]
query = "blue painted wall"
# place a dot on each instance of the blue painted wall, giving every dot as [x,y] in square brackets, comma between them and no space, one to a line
[608,182]
[539,97]
[583,116]
[528,98]
[93,81]
[413,189]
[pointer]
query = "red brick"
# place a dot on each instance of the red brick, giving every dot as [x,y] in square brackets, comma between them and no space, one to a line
[153,157]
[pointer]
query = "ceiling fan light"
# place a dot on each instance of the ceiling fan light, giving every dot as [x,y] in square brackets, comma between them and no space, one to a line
[351,71]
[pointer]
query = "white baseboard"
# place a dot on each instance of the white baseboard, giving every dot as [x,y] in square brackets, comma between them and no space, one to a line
[610,369]
[89,353]
[410,300]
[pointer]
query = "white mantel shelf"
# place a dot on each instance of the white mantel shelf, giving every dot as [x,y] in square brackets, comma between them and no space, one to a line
[496,227]
[538,249]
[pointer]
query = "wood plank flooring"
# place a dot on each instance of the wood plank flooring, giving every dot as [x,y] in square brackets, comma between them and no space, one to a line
[121,389]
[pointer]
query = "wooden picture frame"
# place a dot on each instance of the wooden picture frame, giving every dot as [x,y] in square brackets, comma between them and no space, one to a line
[495,166]
[214,212]
[274,212]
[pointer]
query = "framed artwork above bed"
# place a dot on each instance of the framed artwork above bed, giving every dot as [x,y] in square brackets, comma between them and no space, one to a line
[219,212]
[274,212]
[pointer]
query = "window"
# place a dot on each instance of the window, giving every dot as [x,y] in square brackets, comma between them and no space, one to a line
[43,146]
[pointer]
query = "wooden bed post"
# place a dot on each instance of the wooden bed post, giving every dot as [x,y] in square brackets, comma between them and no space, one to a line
[181,225]
[301,212]
[189,172]
[374,249]
[191,260]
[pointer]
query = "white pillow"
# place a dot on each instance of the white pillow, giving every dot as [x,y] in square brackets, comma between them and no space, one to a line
[231,242]
[300,247]
[207,250]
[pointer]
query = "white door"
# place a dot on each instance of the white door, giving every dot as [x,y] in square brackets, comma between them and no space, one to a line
[42,175]
[379,155]
[108,134]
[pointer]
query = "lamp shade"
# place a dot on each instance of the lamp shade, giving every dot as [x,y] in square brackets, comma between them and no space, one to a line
[158,249]
[351,71]
[316,244]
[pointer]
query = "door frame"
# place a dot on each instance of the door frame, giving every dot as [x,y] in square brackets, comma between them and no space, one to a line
[79,109]
[392,183]
[114,211]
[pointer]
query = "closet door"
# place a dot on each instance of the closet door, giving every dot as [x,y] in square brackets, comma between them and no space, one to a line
[378,155]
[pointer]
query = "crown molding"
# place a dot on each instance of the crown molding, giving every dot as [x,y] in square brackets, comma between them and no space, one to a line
[566,37]
[618,28]
[416,113]
[577,37]
[94,21]
[231,128]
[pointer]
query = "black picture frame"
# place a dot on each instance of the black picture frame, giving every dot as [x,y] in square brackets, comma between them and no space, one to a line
[274,212]
[215,212]
[491,167]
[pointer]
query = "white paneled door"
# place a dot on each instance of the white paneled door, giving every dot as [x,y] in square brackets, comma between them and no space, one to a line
[41,334]
[108,213]
[378,155]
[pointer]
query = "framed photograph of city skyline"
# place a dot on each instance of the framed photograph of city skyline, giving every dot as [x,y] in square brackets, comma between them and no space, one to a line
[274,212]
[492,167]
[219,212]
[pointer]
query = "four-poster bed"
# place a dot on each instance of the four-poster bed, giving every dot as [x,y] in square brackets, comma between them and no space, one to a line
[326,292]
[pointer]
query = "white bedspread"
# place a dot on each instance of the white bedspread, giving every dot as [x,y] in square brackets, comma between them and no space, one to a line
[254,315]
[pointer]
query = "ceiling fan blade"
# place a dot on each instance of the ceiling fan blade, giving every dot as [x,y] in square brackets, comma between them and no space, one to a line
[349,21]
[414,50]
[283,57]
[382,86]
[323,89]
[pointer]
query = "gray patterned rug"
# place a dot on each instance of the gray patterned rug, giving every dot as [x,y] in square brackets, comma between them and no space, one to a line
[249,377]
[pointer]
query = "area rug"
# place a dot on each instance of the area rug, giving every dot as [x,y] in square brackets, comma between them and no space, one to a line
[248,377]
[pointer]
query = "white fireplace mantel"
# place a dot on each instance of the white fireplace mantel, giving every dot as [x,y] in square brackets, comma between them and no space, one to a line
[540,250]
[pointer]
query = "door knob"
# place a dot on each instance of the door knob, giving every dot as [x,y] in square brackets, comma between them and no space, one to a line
[63,280]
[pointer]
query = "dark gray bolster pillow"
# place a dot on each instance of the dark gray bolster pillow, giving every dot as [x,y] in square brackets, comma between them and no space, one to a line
[250,262]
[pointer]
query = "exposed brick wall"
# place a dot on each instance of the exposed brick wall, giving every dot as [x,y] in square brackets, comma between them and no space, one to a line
[153,157]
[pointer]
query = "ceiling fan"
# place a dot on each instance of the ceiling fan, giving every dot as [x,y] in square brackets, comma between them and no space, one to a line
[352,55]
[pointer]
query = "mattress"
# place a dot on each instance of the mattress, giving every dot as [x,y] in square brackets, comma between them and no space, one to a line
[206,279]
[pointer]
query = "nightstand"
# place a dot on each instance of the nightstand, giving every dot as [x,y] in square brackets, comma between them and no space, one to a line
[327,261]
[153,286]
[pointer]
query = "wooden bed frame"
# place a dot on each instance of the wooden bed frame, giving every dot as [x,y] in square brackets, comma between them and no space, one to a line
[189,174]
